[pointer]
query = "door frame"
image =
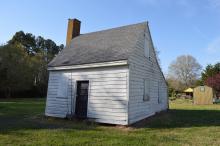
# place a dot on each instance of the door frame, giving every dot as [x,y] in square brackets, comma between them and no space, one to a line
[76,89]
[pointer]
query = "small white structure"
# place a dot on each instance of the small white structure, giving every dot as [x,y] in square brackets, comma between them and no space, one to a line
[110,76]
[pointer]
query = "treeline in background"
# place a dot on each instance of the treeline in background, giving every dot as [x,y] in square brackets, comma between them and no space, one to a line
[186,72]
[23,65]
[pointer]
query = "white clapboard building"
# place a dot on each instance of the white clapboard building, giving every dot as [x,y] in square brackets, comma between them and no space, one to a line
[109,76]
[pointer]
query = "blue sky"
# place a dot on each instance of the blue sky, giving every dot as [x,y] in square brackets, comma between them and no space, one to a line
[177,26]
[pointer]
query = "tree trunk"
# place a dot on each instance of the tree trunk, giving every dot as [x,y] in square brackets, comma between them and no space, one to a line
[8,92]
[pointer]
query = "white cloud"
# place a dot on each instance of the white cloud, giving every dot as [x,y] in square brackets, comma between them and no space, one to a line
[214,46]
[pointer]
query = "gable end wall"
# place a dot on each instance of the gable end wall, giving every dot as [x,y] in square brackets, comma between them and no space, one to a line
[141,68]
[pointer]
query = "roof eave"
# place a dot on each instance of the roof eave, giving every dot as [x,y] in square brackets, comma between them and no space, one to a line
[90,65]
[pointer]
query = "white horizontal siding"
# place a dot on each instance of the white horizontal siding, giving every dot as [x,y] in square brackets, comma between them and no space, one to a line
[107,101]
[57,106]
[111,121]
[141,68]
[109,97]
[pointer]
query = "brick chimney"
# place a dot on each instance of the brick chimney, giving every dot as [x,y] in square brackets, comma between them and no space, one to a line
[73,30]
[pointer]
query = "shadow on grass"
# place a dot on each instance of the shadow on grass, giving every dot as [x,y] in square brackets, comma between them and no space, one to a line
[22,114]
[176,118]
[12,124]
[170,119]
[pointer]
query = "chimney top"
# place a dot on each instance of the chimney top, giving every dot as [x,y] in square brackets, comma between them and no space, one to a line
[73,30]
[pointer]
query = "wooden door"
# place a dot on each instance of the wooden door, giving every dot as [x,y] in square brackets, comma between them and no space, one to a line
[82,99]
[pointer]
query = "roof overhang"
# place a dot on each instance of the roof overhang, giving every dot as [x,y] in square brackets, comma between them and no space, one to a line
[188,90]
[91,65]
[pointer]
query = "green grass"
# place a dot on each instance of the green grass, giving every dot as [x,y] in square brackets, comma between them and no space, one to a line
[22,123]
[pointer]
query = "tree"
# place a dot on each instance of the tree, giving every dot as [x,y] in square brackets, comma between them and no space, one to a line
[23,63]
[27,41]
[214,82]
[174,84]
[210,71]
[157,53]
[33,45]
[185,69]
[47,47]
[15,71]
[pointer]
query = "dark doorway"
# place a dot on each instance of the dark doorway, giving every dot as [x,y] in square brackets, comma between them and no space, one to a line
[81,99]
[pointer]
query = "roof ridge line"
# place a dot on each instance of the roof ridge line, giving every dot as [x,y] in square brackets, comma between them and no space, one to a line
[108,29]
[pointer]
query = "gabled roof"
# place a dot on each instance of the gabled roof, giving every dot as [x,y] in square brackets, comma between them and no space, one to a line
[101,46]
[189,90]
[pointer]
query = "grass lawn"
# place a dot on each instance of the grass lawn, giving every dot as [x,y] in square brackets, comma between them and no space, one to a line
[22,123]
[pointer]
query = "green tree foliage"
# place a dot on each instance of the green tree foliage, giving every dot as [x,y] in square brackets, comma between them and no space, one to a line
[27,41]
[23,63]
[211,76]
[15,69]
[210,71]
